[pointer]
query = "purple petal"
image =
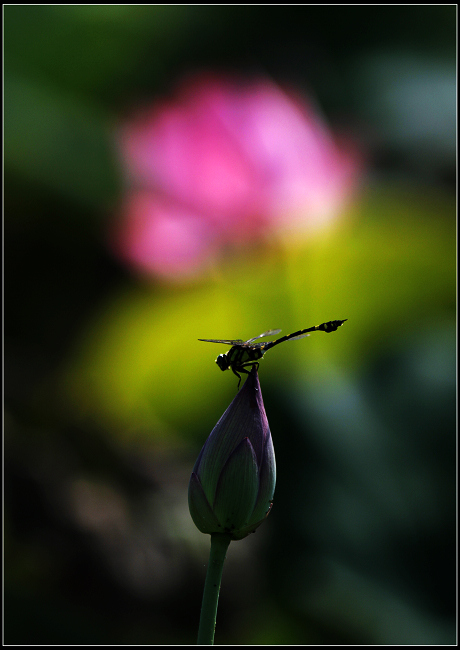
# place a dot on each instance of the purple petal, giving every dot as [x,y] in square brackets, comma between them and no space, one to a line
[237,488]
[200,510]
[244,418]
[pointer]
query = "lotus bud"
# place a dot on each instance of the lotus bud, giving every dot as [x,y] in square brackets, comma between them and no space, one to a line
[233,481]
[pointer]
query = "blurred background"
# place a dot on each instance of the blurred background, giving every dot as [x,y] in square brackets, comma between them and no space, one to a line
[182,172]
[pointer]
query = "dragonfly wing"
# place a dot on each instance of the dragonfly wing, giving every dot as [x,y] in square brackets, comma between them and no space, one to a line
[294,338]
[261,336]
[225,341]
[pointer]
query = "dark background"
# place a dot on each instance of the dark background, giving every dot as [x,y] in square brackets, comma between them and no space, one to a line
[99,547]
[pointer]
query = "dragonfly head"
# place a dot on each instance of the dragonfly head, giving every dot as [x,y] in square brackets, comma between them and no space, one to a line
[223,362]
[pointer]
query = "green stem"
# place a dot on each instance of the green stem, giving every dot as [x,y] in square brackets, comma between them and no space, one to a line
[219,546]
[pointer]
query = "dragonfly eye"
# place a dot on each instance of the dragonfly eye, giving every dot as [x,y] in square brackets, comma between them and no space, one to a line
[222,362]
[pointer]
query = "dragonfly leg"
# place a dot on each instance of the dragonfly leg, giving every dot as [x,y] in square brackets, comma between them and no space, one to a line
[239,377]
[248,363]
[242,368]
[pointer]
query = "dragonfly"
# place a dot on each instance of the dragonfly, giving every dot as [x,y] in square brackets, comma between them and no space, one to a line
[245,354]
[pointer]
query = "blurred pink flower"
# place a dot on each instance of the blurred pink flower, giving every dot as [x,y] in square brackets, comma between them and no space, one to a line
[223,163]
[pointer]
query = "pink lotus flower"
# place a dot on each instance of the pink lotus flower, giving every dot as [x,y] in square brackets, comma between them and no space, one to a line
[223,163]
